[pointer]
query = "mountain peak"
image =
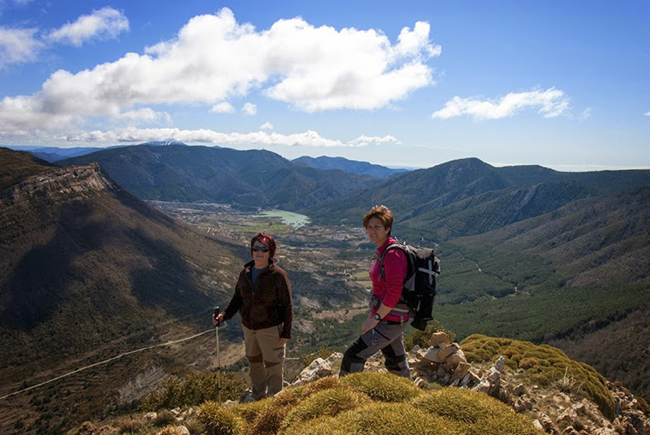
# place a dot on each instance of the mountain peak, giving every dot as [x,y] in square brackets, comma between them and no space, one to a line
[163,143]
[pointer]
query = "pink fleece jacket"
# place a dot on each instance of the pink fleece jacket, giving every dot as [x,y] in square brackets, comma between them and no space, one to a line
[389,291]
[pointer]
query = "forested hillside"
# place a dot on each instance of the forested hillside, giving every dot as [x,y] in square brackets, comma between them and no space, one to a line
[355,167]
[243,178]
[468,196]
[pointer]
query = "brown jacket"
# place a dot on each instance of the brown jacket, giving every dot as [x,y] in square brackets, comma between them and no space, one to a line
[266,304]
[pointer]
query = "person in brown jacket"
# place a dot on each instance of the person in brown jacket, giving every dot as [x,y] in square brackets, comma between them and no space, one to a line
[263,299]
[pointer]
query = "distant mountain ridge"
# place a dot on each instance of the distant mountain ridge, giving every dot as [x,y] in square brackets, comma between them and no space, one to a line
[469,196]
[253,179]
[54,154]
[352,166]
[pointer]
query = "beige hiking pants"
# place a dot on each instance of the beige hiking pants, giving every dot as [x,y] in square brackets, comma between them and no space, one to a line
[265,357]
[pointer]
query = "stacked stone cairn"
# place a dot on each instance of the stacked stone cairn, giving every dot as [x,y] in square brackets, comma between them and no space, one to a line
[443,362]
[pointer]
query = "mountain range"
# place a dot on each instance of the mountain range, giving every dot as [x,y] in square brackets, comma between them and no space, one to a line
[247,179]
[468,196]
[54,154]
[352,166]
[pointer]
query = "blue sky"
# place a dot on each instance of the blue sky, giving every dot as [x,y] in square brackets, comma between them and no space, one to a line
[563,84]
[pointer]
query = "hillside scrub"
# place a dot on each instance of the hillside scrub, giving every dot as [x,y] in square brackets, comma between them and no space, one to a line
[543,365]
[393,406]
[546,313]
[194,389]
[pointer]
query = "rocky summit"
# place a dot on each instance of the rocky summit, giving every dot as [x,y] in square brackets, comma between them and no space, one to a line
[451,393]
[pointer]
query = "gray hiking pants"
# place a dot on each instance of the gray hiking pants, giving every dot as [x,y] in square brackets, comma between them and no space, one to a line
[387,337]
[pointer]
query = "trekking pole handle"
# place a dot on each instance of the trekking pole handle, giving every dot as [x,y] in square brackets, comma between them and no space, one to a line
[216,314]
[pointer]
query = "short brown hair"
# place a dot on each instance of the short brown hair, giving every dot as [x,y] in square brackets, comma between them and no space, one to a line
[382,213]
[266,240]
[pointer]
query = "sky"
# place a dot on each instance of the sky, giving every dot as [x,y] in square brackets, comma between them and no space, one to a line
[557,83]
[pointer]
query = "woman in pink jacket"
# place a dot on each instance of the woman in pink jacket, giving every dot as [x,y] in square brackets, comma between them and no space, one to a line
[383,329]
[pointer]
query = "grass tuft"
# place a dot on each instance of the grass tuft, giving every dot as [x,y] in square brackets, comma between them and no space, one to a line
[218,420]
[382,386]
[325,403]
[475,413]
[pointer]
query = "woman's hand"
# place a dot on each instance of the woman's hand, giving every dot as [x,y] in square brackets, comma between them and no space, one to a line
[369,324]
[283,341]
[216,320]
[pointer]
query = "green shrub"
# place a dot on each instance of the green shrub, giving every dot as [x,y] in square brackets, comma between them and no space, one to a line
[164,418]
[269,420]
[394,419]
[194,426]
[321,384]
[169,430]
[463,405]
[377,419]
[543,365]
[218,420]
[129,425]
[421,338]
[320,353]
[327,402]
[321,426]
[250,411]
[475,413]
[643,405]
[286,397]
[195,389]
[384,387]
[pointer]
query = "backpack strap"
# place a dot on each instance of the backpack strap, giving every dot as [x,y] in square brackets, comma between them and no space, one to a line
[381,258]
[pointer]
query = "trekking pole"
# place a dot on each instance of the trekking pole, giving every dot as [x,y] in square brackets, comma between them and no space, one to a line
[216,313]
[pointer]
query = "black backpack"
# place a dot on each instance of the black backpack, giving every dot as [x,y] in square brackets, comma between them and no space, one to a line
[419,288]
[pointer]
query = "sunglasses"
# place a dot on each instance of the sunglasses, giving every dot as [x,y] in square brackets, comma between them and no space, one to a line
[260,248]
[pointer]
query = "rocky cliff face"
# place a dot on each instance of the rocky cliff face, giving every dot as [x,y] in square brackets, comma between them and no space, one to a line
[70,180]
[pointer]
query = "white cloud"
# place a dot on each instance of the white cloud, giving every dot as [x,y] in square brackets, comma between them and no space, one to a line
[551,103]
[145,115]
[309,138]
[223,107]
[249,109]
[106,23]
[374,140]
[213,58]
[324,69]
[647,114]
[266,126]
[18,45]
